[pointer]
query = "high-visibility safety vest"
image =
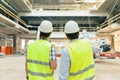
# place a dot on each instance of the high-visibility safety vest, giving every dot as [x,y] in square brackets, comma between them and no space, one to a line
[38,61]
[82,62]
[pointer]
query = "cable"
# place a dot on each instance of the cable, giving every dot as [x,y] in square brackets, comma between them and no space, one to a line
[89,21]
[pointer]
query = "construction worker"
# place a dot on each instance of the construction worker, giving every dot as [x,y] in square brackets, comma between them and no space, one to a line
[41,60]
[77,61]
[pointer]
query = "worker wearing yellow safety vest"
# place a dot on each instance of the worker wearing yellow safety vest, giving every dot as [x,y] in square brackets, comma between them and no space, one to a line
[41,60]
[77,61]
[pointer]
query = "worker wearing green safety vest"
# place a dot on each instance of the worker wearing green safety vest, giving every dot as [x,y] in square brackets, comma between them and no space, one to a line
[41,60]
[77,61]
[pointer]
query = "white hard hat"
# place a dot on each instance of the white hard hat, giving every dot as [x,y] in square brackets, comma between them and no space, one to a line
[46,26]
[71,27]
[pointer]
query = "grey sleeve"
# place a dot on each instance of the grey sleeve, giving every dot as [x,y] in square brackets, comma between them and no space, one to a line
[64,65]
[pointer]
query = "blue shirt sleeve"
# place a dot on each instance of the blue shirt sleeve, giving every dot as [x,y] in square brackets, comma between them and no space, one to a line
[64,65]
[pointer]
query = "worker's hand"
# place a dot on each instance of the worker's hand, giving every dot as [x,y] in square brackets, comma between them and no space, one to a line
[53,65]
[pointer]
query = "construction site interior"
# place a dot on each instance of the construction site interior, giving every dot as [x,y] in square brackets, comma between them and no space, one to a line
[20,19]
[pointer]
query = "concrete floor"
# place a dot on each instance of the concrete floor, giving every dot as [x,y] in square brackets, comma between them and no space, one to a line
[12,68]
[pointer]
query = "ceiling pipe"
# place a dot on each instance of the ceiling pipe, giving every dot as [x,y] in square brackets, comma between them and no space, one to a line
[19,27]
[8,6]
[11,28]
[12,15]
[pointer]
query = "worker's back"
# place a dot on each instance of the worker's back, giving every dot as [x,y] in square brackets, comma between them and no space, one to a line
[82,62]
[38,59]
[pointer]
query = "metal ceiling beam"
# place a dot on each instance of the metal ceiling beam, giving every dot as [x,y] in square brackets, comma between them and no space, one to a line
[110,28]
[9,30]
[15,26]
[8,6]
[64,13]
[61,3]
[62,6]
[19,5]
[64,21]
[77,4]
[52,2]
[109,5]
[8,12]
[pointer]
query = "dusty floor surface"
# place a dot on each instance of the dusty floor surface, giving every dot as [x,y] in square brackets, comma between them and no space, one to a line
[12,68]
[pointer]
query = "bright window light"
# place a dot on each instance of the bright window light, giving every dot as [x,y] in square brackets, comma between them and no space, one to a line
[23,44]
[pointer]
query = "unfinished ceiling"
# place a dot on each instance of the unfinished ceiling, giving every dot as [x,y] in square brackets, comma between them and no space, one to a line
[18,5]
[111,6]
[65,4]
[89,23]
[24,9]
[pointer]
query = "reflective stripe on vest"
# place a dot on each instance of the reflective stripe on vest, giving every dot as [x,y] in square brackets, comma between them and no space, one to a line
[90,78]
[40,74]
[38,58]
[82,62]
[82,71]
[38,62]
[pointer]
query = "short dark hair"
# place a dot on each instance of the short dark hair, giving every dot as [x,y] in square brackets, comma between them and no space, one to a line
[44,35]
[72,35]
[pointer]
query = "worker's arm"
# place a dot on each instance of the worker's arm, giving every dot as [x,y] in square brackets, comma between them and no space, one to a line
[64,65]
[53,65]
[53,60]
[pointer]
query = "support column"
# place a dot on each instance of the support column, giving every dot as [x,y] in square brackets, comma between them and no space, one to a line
[14,43]
[19,45]
[26,45]
[111,38]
